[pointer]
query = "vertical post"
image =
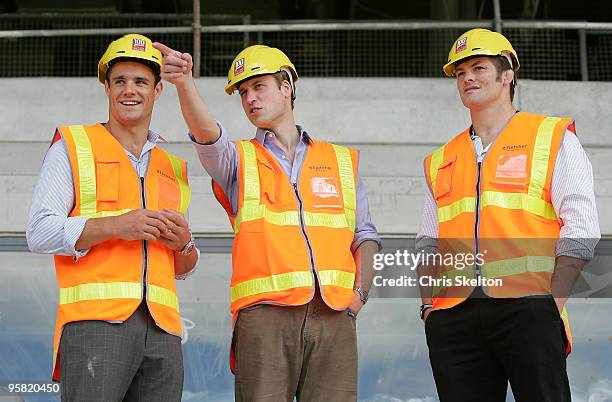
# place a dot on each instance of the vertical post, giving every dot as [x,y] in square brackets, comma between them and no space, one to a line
[246,37]
[584,65]
[197,33]
[497,16]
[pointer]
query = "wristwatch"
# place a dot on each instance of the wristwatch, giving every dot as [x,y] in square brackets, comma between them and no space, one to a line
[424,308]
[188,249]
[363,295]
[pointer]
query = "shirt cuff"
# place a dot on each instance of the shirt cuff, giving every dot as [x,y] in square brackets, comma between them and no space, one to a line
[360,239]
[187,274]
[426,245]
[211,150]
[583,249]
[73,229]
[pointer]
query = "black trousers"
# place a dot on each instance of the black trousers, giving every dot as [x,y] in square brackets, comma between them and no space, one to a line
[130,361]
[479,346]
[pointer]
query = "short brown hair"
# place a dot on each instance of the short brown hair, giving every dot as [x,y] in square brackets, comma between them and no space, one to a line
[284,76]
[502,64]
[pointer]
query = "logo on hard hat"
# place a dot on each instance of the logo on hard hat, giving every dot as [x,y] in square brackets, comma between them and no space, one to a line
[139,44]
[461,45]
[239,66]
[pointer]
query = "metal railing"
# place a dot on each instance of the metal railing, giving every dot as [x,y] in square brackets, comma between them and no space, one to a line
[555,50]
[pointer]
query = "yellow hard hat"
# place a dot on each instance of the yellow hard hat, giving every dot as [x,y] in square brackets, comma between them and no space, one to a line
[257,60]
[479,42]
[132,46]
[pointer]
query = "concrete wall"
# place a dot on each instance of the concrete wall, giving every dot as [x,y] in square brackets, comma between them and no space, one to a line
[394,122]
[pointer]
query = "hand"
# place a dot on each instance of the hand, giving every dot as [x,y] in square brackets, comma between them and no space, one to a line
[140,224]
[426,314]
[356,305]
[176,66]
[177,233]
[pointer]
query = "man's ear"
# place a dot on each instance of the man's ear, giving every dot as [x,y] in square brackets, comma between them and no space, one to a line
[286,88]
[158,89]
[508,76]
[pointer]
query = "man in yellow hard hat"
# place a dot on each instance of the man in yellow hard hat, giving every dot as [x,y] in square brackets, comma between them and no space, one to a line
[304,241]
[110,205]
[515,191]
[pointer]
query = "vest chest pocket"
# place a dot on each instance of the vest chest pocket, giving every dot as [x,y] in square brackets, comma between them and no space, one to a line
[107,180]
[267,180]
[444,179]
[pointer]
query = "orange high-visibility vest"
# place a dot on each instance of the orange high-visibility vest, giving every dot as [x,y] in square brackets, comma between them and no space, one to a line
[107,283]
[280,226]
[282,229]
[501,209]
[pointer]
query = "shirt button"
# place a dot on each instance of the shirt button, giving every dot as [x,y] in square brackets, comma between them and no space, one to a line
[284,157]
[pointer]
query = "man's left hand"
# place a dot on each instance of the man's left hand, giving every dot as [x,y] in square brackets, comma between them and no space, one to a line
[356,305]
[177,235]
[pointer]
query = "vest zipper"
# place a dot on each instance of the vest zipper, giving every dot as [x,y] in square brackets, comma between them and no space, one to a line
[303,227]
[145,244]
[477,217]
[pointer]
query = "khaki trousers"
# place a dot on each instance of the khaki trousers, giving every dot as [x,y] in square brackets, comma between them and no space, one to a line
[308,352]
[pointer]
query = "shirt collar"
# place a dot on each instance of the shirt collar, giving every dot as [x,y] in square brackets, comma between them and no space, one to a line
[154,137]
[263,135]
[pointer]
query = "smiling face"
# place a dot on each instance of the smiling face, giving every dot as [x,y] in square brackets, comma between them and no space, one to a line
[131,92]
[264,103]
[480,84]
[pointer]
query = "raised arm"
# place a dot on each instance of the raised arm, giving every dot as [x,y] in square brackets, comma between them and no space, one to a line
[177,69]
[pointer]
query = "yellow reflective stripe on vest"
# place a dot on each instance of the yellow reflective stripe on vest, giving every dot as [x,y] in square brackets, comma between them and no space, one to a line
[273,283]
[334,277]
[163,296]
[467,204]
[541,155]
[100,291]
[336,221]
[521,201]
[517,266]
[436,160]
[185,198]
[87,170]
[251,213]
[291,218]
[347,183]
[117,290]
[251,174]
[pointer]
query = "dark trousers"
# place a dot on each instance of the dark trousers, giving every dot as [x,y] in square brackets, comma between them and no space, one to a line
[130,361]
[479,346]
[308,351]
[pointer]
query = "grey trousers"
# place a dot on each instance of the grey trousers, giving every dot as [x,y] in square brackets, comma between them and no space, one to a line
[308,351]
[131,361]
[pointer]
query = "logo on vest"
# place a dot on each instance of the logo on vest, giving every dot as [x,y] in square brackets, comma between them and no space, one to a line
[166,175]
[512,166]
[319,168]
[324,187]
[514,147]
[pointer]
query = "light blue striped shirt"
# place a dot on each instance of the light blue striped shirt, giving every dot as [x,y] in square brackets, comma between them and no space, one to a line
[50,230]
